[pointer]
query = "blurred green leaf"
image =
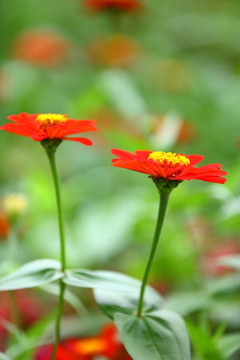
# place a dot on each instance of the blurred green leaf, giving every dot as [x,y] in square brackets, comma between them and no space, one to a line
[187,303]
[229,344]
[90,101]
[204,344]
[69,296]
[32,274]
[112,302]
[232,261]
[158,335]
[120,88]
[33,336]
[4,357]
[102,279]
[226,285]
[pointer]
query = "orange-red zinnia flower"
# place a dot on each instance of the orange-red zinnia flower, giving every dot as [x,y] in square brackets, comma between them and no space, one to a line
[168,166]
[49,126]
[124,5]
[41,47]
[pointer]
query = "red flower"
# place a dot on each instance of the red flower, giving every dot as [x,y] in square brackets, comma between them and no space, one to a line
[49,126]
[106,344]
[4,226]
[168,166]
[125,5]
[41,47]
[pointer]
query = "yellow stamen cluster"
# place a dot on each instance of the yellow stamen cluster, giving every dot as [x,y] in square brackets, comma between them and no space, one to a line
[46,120]
[90,346]
[14,204]
[169,159]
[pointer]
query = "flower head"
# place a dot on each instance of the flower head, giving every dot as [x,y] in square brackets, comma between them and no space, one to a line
[122,5]
[49,127]
[170,167]
[41,47]
[14,204]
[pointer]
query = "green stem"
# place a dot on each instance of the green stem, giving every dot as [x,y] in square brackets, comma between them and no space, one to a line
[58,319]
[51,157]
[164,196]
[12,295]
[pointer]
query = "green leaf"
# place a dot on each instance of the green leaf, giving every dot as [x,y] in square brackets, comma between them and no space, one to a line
[32,274]
[26,345]
[4,357]
[69,297]
[204,342]
[187,303]
[111,302]
[232,261]
[159,335]
[225,285]
[229,344]
[102,279]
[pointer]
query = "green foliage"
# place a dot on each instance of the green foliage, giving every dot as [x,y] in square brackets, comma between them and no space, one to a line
[229,344]
[126,302]
[32,274]
[159,335]
[232,261]
[105,280]
[205,345]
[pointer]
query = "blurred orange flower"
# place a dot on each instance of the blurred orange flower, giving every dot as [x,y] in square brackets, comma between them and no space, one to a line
[106,344]
[41,47]
[124,5]
[115,50]
[49,126]
[4,226]
[168,166]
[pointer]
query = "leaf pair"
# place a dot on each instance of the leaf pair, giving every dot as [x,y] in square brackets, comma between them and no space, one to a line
[159,334]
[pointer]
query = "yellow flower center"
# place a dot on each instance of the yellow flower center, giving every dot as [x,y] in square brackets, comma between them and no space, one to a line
[169,159]
[46,120]
[90,346]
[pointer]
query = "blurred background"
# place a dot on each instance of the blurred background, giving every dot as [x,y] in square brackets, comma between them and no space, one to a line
[158,75]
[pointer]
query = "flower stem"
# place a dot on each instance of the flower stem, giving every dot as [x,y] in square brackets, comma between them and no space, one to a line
[164,196]
[51,157]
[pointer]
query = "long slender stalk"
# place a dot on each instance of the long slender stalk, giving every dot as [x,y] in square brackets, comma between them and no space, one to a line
[51,157]
[164,196]
[12,295]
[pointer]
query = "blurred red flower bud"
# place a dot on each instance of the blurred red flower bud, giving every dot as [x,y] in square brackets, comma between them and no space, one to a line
[41,47]
[122,5]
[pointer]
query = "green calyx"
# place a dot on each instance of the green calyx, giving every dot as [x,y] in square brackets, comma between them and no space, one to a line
[50,145]
[164,185]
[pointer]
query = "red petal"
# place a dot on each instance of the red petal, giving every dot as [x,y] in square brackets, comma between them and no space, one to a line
[15,129]
[195,159]
[79,139]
